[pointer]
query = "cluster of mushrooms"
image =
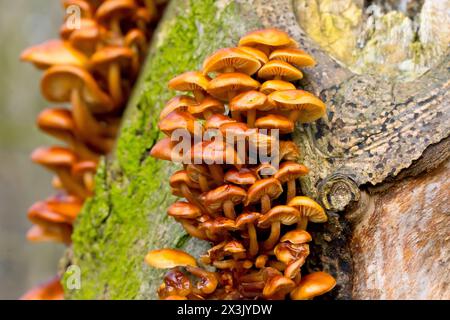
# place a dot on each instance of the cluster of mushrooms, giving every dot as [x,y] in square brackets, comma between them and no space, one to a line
[92,69]
[249,211]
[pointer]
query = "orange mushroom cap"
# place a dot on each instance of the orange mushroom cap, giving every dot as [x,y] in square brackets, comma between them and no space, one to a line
[50,290]
[267,39]
[223,84]
[269,186]
[275,85]
[250,100]
[309,208]
[113,9]
[189,81]
[180,103]
[278,287]
[283,214]
[57,122]
[164,150]
[289,151]
[279,69]
[231,58]
[184,210]
[177,120]
[293,56]
[110,54]
[258,54]
[54,157]
[240,177]
[208,104]
[54,52]
[169,258]
[217,120]
[214,199]
[312,285]
[274,121]
[290,170]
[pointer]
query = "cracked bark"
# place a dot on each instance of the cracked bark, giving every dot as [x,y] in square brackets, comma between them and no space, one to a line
[377,159]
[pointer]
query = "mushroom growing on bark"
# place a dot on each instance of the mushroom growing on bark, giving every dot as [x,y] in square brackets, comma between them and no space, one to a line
[267,40]
[313,285]
[191,81]
[247,221]
[231,60]
[290,171]
[169,258]
[249,103]
[264,191]
[224,198]
[309,211]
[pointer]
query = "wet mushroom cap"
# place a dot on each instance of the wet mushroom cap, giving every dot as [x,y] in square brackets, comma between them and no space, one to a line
[181,177]
[309,208]
[214,199]
[180,103]
[163,150]
[189,81]
[258,54]
[269,186]
[311,107]
[177,120]
[234,58]
[216,120]
[250,100]
[234,130]
[312,285]
[278,287]
[290,170]
[54,52]
[247,218]
[267,37]
[296,237]
[184,210]
[275,85]
[275,121]
[208,104]
[278,68]
[169,258]
[240,177]
[294,56]
[220,86]
[283,214]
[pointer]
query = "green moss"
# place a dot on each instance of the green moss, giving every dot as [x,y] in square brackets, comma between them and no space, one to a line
[126,218]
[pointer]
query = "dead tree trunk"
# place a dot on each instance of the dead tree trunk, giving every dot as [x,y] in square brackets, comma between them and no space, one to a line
[379,157]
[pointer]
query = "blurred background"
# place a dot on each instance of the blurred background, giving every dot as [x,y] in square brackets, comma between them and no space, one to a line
[22,265]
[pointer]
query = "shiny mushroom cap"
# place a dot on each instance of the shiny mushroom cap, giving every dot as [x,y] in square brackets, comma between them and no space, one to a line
[215,152]
[269,186]
[59,81]
[283,214]
[184,210]
[55,119]
[290,170]
[255,53]
[278,287]
[234,130]
[240,177]
[293,56]
[215,199]
[54,157]
[250,100]
[309,208]
[267,40]
[279,69]
[275,121]
[216,120]
[296,237]
[208,104]
[178,103]
[247,218]
[164,150]
[181,177]
[313,285]
[169,258]
[223,84]
[275,85]
[54,52]
[234,246]
[189,81]
[177,120]
[231,59]
[311,108]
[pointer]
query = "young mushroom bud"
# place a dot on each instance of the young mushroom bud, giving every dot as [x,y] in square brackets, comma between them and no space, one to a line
[290,171]
[274,218]
[309,211]
[313,285]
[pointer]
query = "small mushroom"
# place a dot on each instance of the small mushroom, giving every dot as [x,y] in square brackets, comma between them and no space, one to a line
[228,60]
[169,258]
[54,52]
[261,261]
[313,285]
[275,85]
[164,150]
[199,174]
[111,13]
[175,283]
[137,42]
[249,103]
[309,211]
[290,171]
[247,220]
[178,103]
[264,191]
[227,85]
[177,120]
[267,40]
[180,181]
[191,81]
[297,57]
[224,198]
[86,38]
[289,151]
[302,105]
[218,228]
[274,218]
[293,250]
[216,120]
[255,53]
[207,108]
[278,287]
[184,210]
[279,70]
[60,160]
[243,177]
[208,280]
[111,60]
[50,290]
[278,122]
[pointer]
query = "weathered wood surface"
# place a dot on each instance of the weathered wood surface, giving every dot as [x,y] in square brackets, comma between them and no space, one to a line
[378,124]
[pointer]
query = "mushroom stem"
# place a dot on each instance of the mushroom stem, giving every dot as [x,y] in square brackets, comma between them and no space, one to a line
[203,182]
[251,118]
[228,209]
[71,185]
[88,180]
[302,223]
[273,237]
[114,83]
[216,172]
[291,190]
[115,27]
[198,95]
[190,197]
[192,230]
[265,204]
[253,250]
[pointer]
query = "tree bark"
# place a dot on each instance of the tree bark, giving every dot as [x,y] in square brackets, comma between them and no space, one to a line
[373,158]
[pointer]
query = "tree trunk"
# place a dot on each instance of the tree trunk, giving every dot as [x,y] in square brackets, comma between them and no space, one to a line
[378,159]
